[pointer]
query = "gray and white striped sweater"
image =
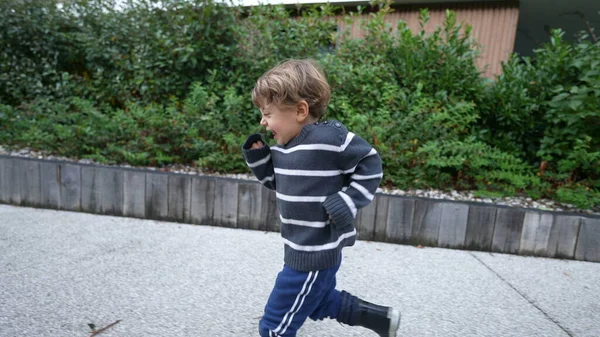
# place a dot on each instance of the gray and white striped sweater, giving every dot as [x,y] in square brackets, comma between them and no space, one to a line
[323,172]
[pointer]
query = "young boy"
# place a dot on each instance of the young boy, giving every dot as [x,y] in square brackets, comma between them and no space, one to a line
[322,175]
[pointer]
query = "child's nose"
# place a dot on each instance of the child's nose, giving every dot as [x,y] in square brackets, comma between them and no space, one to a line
[263,122]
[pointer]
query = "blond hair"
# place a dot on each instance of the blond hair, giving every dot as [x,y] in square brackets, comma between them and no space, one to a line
[291,82]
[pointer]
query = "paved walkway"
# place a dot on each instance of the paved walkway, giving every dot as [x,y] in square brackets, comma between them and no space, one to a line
[60,271]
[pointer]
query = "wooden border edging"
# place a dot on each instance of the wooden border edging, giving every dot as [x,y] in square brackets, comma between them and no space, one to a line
[227,202]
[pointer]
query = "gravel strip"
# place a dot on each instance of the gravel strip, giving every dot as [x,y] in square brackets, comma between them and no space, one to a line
[525,202]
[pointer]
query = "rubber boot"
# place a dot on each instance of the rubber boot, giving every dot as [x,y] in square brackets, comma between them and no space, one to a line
[385,321]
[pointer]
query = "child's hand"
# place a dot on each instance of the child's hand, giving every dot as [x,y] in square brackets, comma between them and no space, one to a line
[257,145]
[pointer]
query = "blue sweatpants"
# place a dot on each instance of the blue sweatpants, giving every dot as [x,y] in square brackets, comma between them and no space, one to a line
[298,295]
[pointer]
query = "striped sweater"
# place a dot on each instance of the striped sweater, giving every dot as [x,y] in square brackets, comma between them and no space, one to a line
[321,178]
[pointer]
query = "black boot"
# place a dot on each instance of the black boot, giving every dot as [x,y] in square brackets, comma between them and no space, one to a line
[385,321]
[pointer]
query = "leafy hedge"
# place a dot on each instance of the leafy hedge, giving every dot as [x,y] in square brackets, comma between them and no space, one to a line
[156,86]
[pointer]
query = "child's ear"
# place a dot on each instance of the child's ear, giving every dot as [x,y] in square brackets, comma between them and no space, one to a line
[301,111]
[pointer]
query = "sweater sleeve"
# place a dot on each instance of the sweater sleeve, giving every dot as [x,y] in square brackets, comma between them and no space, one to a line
[259,161]
[363,163]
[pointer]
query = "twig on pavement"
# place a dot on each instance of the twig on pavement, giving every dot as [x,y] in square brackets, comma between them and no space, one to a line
[95,332]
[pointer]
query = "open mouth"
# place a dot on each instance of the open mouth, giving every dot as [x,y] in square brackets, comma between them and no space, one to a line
[274,134]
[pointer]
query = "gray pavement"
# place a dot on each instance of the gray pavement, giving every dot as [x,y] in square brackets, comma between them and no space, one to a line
[60,271]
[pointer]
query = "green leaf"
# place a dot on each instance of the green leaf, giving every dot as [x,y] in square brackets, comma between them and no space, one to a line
[560,97]
[574,104]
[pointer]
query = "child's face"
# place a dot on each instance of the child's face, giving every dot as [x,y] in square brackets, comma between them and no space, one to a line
[282,121]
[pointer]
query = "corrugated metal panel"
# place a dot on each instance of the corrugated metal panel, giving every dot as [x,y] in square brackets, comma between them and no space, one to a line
[494,27]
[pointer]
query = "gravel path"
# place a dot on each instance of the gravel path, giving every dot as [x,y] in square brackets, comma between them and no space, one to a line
[60,271]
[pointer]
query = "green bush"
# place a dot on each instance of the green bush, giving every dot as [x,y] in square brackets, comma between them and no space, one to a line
[111,55]
[152,54]
[36,51]
[417,104]
[157,86]
[139,135]
[546,111]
